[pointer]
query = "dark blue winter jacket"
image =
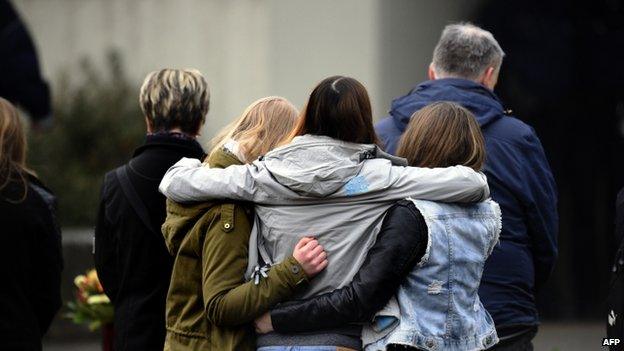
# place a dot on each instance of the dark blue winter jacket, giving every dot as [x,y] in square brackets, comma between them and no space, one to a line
[520,181]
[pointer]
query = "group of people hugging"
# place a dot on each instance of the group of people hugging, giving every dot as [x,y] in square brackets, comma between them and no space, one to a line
[314,229]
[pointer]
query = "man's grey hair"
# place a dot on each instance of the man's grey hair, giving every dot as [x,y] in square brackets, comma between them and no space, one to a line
[466,51]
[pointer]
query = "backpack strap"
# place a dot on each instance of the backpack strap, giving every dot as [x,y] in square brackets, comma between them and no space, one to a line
[133,197]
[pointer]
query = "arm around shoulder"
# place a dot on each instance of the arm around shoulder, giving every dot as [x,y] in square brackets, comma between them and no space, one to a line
[450,184]
[188,180]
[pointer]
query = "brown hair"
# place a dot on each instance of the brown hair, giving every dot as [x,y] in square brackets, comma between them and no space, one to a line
[443,134]
[339,107]
[261,127]
[12,148]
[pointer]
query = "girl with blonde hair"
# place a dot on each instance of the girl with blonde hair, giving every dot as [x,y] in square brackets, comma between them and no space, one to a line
[209,305]
[261,127]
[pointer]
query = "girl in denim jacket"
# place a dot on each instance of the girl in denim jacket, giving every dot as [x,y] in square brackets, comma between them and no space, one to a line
[430,254]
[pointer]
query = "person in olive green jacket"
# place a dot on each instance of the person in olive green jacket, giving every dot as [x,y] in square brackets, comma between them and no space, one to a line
[209,304]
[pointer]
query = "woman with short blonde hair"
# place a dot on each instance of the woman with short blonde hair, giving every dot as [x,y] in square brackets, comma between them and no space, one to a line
[127,232]
[175,99]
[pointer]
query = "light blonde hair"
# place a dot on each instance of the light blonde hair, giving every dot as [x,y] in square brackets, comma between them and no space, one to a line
[262,126]
[443,134]
[175,98]
[12,148]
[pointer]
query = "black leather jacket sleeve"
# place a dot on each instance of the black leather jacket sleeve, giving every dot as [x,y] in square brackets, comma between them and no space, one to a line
[400,244]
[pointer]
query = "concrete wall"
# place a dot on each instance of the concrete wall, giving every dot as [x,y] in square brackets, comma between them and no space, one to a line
[248,48]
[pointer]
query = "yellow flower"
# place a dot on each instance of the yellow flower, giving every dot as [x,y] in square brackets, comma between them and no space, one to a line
[93,281]
[92,276]
[80,280]
[98,299]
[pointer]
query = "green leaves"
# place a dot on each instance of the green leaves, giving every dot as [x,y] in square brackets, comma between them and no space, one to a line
[98,124]
[94,315]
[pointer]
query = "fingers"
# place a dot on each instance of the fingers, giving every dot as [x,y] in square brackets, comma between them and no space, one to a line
[303,242]
[263,324]
[312,258]
[319,258]
[317,250]
[323,265]
[310,245]
[318,268]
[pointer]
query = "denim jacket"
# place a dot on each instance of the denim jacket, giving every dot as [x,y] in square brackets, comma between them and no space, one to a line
[439,301]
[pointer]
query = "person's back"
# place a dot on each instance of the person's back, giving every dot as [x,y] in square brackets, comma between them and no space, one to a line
[31,262]
[439,302]
[516,167]
[431,253]
[131,258]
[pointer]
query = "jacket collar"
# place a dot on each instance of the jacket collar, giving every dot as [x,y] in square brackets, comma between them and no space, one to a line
[481,101]
[223,158]
[464,85]
[171,141]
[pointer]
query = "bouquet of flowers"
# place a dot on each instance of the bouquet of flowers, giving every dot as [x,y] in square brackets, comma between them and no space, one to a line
[91,307]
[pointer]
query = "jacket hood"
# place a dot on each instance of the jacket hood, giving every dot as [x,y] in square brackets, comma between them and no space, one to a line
[182,217]
[316,166]
[482,102]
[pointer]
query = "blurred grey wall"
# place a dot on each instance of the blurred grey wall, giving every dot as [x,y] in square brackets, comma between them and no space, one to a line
[248,49]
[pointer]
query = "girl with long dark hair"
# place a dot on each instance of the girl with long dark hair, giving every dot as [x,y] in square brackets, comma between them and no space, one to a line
[429,254]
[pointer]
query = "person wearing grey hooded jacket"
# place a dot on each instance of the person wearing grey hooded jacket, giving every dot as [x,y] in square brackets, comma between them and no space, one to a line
[325,188]
[322,187]
[317,185]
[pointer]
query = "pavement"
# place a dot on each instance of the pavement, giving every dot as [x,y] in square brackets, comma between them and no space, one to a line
[551,337]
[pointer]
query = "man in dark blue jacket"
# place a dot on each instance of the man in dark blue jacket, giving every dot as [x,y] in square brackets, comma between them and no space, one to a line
[464,69]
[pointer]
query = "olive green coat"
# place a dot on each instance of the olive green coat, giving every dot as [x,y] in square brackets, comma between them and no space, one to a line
[209,304]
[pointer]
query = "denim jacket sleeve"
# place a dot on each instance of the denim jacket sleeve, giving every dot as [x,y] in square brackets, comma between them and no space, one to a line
[387,263]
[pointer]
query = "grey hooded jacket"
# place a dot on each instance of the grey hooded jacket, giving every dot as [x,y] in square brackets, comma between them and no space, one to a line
[317,186]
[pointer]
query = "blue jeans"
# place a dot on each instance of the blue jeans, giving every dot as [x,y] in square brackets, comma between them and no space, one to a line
[303,348]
